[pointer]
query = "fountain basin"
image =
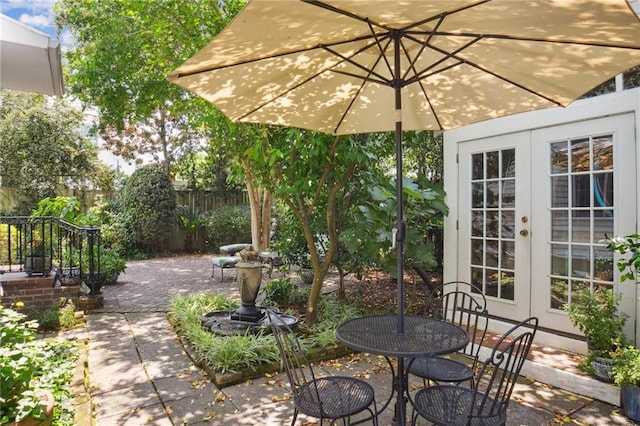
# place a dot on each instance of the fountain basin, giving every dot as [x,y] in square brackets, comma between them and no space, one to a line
[221,322]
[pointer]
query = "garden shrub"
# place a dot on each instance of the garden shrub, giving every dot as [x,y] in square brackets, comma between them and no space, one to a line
[278,292]
[56,317]
[290,241]
[112,226]
[229,225]
[149,201]
[28,366]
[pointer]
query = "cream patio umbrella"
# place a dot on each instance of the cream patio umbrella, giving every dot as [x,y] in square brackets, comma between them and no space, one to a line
[29,60]
[349,66]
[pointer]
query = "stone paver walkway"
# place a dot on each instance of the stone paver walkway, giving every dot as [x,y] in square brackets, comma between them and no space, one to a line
[139,373]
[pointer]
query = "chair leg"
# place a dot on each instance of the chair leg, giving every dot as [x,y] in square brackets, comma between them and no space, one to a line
[295,416]
[213,272]
[373,415]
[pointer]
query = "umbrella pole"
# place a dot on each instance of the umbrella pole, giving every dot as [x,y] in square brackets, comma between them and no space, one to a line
[399,232]
[399,229]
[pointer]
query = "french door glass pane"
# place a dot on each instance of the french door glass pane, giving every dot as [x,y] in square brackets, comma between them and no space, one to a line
[581,214]
[580,155]
[559,191]
[508,224]
[493,222]
[559,293]
[559,157]
[507,255]
[509,193]
[477,224]
[559,225]
[492,165]
[603,153]
[477,166]
[493,194]
[477,194]
[603,225]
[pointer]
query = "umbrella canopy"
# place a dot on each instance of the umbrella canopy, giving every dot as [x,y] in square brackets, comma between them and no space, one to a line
[30,61]
[346,66]
[330,66]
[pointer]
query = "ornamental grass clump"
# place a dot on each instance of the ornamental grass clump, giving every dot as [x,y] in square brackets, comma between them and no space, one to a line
[223,353]
[233,353]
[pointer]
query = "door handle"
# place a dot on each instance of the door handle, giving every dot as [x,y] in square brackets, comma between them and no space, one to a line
[524,232]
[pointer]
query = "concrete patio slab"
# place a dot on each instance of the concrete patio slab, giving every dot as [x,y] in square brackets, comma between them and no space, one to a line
[140,374]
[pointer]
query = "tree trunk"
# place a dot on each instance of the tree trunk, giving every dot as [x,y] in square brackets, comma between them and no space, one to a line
[260,202]
[426,278]
[166,164]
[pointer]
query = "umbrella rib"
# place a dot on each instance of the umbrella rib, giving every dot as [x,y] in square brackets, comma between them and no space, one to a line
[483,69]
[380,49]
[421,75]
[516,84]
[383,80]
[351,15]
[532,39]
[353,99]
[412,66]
[273,98]
[277,55]
[348,108]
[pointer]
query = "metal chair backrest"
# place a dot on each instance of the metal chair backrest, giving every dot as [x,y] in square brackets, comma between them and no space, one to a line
[295,362]
[497,375]
[465,305]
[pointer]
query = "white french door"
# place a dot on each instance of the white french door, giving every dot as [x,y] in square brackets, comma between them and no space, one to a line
[583,190]
[494,221]
[534,208]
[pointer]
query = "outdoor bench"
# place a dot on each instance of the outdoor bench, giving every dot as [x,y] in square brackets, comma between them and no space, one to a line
[223,262]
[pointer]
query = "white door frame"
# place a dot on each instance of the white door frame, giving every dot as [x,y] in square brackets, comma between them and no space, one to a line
[600,106]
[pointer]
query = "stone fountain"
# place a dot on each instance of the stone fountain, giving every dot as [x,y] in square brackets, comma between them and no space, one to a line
[248,316]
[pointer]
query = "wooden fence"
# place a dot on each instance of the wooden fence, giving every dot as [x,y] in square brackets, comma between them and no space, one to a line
[205,201]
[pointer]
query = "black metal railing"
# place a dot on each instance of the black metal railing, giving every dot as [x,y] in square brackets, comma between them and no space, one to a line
[42,245]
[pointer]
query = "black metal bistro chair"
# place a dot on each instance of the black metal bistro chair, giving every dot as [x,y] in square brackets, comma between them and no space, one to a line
[487,402]
[463,304]
[331,398]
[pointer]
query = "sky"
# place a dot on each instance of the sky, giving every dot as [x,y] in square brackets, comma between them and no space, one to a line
[37,14]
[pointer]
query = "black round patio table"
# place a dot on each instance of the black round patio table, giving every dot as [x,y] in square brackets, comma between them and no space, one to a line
[422,337]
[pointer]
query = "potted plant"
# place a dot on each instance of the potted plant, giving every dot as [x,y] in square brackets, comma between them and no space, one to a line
[596,315]
[626,372]
[38,258]
[189,220]
[626,369]
[107,267]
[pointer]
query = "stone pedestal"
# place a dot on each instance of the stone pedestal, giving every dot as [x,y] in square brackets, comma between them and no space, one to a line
[88,302]
[249,277]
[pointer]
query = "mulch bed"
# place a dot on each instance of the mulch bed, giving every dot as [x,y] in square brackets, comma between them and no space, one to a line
[379,292]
